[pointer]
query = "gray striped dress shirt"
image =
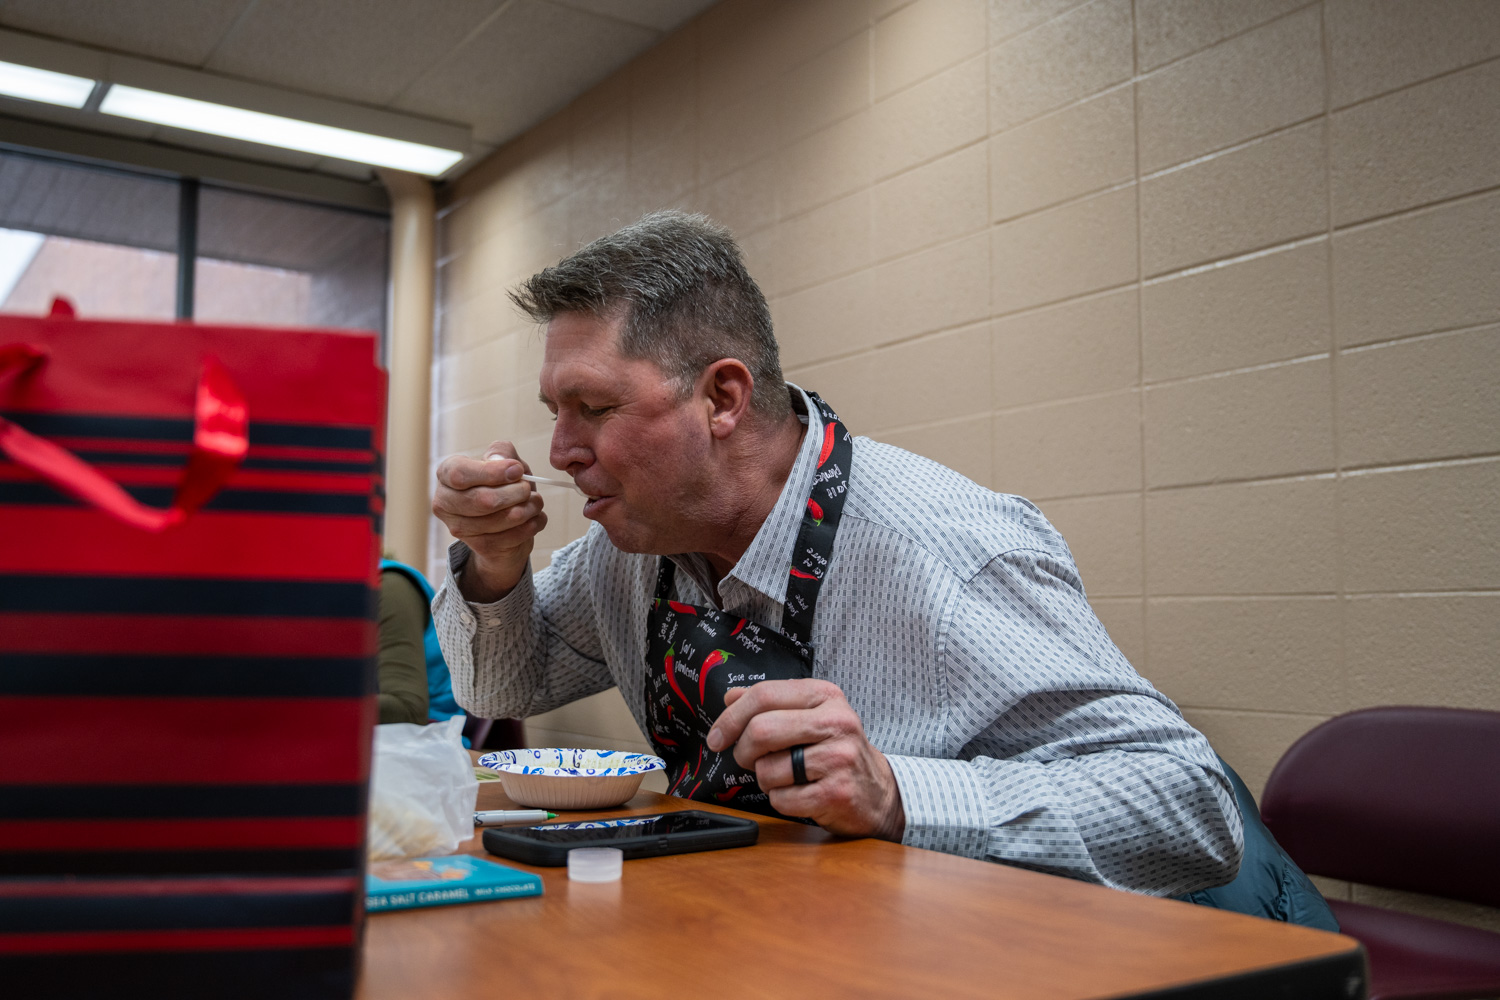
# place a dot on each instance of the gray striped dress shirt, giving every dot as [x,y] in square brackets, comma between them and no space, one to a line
[955,622]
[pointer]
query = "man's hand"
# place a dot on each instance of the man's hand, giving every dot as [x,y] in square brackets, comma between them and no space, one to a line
[851,789]
[487,505]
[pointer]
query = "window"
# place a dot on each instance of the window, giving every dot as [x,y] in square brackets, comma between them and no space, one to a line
[277,261]
[105,239]
[110,240]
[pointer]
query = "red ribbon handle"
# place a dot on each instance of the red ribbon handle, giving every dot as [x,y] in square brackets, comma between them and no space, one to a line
[220,440]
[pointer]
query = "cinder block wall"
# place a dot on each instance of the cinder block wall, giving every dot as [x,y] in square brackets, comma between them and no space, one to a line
[1214,282]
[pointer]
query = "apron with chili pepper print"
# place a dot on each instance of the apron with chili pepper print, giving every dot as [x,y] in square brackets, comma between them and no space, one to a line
[695,654]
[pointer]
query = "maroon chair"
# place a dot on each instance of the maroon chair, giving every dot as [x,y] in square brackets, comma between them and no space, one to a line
[1402,798]
[494,734]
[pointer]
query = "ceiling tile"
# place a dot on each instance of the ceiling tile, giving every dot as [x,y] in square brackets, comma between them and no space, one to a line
[663,15]
[360,50]
[525,64]
[181,31]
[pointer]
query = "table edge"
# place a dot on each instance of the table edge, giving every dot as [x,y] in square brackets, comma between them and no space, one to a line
[1341,976]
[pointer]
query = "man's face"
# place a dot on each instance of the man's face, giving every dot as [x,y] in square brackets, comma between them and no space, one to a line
[625,436]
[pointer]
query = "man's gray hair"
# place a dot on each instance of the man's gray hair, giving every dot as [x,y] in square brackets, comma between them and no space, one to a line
[680,284]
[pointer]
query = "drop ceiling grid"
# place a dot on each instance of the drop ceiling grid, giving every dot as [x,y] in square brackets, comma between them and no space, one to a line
[498,66]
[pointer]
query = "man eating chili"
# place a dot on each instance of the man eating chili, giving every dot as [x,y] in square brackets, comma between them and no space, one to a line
[804,622]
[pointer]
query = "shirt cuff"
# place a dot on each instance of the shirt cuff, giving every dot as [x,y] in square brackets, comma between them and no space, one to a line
[510,610]
[944,802]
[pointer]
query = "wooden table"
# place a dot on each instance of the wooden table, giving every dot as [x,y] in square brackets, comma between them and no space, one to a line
[805,914]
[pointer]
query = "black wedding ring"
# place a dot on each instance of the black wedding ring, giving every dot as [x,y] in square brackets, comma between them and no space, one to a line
[799,766]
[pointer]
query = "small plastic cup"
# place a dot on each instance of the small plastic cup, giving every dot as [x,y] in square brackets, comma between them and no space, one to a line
[595,864]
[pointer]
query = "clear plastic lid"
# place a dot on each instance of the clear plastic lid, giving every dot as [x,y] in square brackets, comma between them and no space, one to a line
[595,864]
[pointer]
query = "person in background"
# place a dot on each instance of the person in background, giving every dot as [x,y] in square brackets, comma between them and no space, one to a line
[414,682]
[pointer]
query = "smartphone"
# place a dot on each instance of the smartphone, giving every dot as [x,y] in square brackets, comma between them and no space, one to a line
[637,836]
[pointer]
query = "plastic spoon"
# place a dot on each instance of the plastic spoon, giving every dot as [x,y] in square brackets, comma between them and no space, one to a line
[556,482]
[543,481]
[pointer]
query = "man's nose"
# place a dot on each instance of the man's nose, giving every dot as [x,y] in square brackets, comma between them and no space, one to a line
[569,450]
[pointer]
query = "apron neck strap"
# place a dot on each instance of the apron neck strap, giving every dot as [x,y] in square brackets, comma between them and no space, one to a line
[815,536]
[820,524]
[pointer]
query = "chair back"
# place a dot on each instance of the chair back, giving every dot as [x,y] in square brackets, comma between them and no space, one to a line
[1403,798]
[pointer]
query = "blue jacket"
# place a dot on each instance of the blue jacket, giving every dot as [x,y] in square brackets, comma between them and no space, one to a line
[1269,884]
[440,702]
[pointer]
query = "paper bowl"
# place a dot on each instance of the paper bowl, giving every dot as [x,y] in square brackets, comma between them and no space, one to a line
[565,778]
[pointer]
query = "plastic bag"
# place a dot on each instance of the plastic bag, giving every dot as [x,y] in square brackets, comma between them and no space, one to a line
[422,790]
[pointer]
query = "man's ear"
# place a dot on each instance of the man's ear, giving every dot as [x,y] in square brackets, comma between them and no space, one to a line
[725,388]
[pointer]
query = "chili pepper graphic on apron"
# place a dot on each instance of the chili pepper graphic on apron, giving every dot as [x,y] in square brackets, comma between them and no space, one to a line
[695,654]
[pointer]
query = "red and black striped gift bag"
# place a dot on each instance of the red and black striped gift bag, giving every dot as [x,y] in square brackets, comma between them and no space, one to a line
[189,524]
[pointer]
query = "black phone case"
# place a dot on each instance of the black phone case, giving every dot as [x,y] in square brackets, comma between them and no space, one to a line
[509,844]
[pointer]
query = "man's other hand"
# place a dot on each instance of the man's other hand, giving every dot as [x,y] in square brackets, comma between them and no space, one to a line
[850,788]
[488,506]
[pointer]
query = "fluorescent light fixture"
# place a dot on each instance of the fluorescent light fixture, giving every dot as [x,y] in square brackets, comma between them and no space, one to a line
[32,84]
[274,130]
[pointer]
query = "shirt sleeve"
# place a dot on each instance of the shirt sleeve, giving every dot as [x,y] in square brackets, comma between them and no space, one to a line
[535,649]
[402,665]
[1068,761]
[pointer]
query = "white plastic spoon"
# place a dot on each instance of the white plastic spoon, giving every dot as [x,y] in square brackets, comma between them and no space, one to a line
[556,482]
[566,484]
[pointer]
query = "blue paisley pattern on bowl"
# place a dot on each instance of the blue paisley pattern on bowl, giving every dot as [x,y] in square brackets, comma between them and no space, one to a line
[569,762]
